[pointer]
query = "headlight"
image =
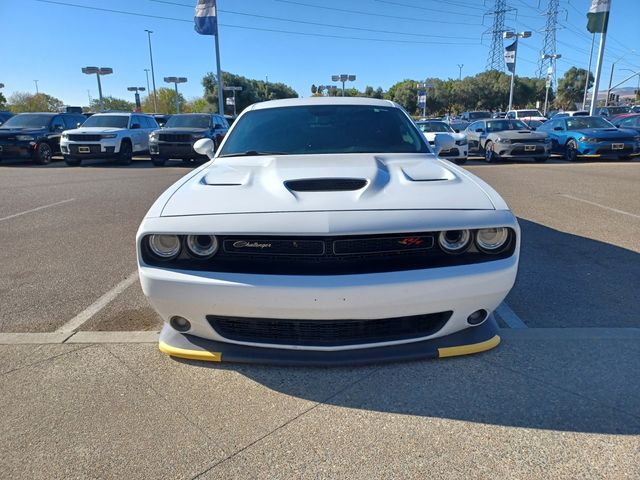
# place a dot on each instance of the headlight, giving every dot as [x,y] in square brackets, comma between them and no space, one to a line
[25,138]
[165,247]
[491,240]
[454,241]
[202,246]
[153,136]
[588,140]
[109,135]
[197,136]
[503,140]
[64,136]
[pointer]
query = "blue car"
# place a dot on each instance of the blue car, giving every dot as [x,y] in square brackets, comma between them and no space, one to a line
[590,137]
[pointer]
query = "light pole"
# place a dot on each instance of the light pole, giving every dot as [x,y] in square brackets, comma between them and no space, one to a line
[343,77]
[613,66]
[153,75]
[422,96]
[146,72]
[176,81]
[137,96]
[36,82]
[234,90]
[517,36]
[550,72]
[98,71]
[460,65]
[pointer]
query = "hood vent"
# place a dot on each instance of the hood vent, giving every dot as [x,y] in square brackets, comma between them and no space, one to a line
[326,184]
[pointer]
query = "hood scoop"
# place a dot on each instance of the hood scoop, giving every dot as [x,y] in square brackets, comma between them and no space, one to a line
[326,184]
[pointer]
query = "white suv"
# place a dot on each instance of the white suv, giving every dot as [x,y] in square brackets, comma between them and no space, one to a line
[108,135]
[526,115]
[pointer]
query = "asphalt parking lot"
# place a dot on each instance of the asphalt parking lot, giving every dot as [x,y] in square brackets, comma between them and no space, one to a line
[560,398]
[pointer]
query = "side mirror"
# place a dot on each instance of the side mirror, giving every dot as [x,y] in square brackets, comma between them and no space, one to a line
[78,125]
[135,126]
[479,130]
[217,126]
[205,146]
[58,128]
[443,141]
[558,129]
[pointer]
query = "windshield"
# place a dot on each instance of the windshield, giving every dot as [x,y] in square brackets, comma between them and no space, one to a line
[579,123]
[112,121]
[529,113]
[434,127]
[315,129]
[500,125]
[28,121]
[188,121]
[479,115]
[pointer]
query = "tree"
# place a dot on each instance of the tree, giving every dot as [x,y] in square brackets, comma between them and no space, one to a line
[112,103]
[571,88]
[314,89]
[198,105]
[3,101]
[40,102]
[405,94]
[166,101]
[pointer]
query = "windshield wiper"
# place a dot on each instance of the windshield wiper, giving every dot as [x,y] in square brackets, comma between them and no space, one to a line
[251,153]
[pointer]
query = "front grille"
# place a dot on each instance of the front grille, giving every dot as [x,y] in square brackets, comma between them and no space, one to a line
[175,137]
[327,332]
[521,151]
[627,150]
[8,138]
[84,137]
[454,152]
[75,149]
[325,184]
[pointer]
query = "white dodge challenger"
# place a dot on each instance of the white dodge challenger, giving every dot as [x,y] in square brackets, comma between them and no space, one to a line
[324,232]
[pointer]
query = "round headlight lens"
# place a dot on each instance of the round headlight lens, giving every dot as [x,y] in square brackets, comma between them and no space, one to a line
[164,246]
[454,241]
[202,245]
[492,239]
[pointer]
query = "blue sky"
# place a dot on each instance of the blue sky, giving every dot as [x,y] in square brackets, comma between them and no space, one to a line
[51,42]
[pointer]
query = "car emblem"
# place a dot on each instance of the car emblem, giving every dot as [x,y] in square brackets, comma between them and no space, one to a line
[411,241]
[243,244]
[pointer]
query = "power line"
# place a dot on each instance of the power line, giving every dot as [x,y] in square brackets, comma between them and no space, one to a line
[448,12]
[495,61]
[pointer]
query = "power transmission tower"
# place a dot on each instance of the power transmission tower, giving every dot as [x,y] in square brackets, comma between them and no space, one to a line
[549,42]
[495,61]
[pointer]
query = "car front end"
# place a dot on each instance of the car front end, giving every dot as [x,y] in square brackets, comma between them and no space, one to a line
[91,142]
[176,143]
[608,145]
[20,143]
[527,146]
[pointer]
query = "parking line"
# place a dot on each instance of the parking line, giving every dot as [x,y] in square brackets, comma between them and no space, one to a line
[37,209]
[509,316]
[599,205]
[77,321]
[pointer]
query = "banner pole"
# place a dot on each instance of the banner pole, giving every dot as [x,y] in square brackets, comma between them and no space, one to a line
[219,75]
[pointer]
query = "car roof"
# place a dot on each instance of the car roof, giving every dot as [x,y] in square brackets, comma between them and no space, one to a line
[121,114]
[311,101]
[40,113]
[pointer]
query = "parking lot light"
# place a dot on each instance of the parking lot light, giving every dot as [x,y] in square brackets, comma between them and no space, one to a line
[550,73]
[343,77]
[137,96]
[98,71]
[176,81]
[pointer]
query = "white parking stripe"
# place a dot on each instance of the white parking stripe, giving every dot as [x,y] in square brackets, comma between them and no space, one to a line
[509,316]
[599,205]
[77,321]
[37,209]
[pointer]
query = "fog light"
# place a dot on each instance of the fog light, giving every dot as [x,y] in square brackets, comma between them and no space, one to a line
[179,323]
[477,317]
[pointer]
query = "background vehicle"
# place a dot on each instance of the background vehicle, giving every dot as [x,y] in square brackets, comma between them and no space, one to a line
[591,137]
[628,121]
[613,111]
[180,132]
[430,128]
[35,135]
[108,135]
[572,113]
[505,138]
[4,116]
[525,115]
[478,115]
[161,118]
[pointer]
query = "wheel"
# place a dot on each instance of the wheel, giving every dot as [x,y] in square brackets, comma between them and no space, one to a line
[571,151]
[71,161]
[126,153]
[158,161]
[489,154]
[541,159]
[43,154]
[460,161]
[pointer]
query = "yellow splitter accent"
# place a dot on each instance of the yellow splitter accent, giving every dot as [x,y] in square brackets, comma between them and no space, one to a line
[190,354]
[468,349]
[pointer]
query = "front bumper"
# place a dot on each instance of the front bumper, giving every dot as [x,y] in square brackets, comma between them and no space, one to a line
[181,150]
[473,340]
[17,149]
[605,150]
[522,150]
[106,148]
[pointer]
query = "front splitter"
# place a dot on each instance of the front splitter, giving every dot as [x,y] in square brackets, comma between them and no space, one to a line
[468,341]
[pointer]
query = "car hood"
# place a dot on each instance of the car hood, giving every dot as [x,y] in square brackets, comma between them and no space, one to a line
[22,131]
[94,130]
[431,136]
[529,119]
[182,130]
[263,184]
[520,135]
[605,133]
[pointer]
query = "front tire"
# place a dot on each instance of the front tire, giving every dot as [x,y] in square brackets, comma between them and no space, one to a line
[158,161]
[126,153]
[571,151]
[489,155]
[460,161]
[71,161]
[43,154]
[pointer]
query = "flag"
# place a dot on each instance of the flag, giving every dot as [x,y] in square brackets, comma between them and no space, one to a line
[598,16]
[510,56]
[206,19]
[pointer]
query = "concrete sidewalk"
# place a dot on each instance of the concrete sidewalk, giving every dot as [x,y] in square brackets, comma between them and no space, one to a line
[547,403]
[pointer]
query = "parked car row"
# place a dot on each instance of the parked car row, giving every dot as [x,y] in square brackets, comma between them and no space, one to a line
[117,135]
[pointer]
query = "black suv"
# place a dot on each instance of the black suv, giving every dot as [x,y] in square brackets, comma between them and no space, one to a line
[4,116]
[35,135]
[179,134]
